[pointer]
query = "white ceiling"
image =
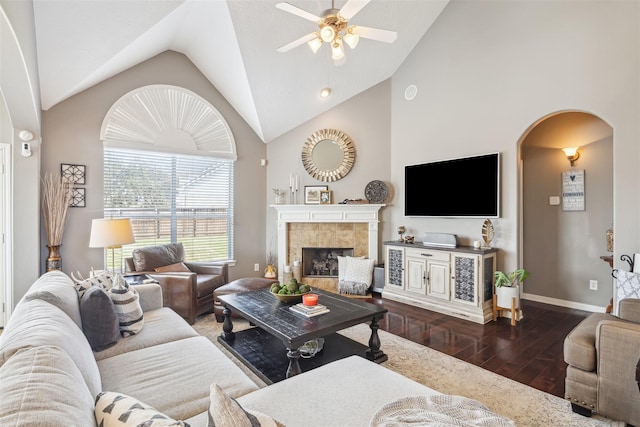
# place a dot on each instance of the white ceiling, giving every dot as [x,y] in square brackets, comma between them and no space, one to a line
[232,42]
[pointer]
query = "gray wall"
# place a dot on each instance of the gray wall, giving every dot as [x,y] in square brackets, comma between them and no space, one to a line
[562,249]
[71,131]
[488,71]
[366,119]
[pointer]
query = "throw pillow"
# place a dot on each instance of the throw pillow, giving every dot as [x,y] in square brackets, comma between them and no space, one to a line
[342,265]
[103,280]
[117,409]
[127,304]
[225,411]
[358,276]
[173,268]
[627,286]
[99,319]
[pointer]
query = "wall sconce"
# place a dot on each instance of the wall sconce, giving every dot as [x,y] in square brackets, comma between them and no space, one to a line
[572,154]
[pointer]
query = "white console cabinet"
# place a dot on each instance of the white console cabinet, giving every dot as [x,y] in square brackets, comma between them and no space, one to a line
[455,281]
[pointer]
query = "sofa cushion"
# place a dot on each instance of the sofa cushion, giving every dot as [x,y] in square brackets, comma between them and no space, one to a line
[151,257]
[176,386]
[41,386]
[37,322]
[160,326]
[331,386]
[99,319]
[119,410]
[627,286]
[127,306]
[57,288]
[103,280]
[173,268]
[580,344]
[225,411]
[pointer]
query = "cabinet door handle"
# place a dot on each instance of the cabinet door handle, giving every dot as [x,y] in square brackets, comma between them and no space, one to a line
[426,254]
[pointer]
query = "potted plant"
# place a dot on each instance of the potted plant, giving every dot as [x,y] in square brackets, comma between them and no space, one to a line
[270,272]
[508,286]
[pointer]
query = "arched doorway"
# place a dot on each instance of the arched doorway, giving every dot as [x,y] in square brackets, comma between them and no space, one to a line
[563,237]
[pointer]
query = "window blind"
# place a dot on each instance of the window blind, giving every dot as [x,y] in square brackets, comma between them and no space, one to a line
[172,198]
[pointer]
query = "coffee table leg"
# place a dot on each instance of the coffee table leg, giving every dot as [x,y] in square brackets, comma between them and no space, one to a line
[374,353]
[227,326]
[294,363]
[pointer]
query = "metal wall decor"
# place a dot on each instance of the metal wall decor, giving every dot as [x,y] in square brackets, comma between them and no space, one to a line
[328,155]
[78,198]
[76,174]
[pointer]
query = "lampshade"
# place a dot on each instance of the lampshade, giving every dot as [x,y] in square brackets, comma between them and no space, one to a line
[327,34]
[315,44]
[111,233]
[337,51]
[351,39]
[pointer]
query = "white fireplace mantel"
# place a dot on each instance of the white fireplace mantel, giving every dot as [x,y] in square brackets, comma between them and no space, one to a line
[333,213]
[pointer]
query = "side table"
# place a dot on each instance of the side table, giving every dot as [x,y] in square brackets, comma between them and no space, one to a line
[138,279]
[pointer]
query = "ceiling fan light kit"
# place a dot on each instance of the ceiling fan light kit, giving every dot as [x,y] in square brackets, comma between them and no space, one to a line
[334,29]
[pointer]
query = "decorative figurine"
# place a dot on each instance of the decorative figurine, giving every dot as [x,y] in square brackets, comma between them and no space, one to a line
[487,232]
[401,231]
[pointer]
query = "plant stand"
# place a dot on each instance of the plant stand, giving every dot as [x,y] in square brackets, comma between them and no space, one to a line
[514,309]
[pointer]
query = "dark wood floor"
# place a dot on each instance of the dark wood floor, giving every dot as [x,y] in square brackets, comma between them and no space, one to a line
[530,352]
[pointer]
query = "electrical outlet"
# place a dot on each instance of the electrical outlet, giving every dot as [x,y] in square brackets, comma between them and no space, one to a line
[256,267]
[593,285]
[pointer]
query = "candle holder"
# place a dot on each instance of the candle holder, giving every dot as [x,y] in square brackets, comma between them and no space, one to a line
[401,231]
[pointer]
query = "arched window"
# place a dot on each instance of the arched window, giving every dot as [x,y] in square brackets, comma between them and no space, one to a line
[168,165]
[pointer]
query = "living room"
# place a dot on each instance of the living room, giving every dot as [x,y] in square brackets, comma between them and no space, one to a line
[486,73]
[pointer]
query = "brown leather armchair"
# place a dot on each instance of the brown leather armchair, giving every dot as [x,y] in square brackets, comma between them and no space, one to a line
[188,291]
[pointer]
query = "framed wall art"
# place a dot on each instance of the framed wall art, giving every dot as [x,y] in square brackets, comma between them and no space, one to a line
[573,190]
[325,197]
[76,174]
[78,198]
[312,194]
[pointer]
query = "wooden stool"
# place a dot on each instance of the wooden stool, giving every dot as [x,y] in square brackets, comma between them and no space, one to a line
[514,309]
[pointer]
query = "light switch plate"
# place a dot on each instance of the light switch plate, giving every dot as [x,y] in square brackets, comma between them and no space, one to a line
[554,200]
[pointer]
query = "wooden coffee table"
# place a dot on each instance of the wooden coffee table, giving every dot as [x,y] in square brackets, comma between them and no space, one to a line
[271,348]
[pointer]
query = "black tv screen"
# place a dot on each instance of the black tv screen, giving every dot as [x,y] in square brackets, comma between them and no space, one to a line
[467,187]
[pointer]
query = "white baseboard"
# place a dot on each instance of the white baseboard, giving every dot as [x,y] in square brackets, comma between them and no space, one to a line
[564,303]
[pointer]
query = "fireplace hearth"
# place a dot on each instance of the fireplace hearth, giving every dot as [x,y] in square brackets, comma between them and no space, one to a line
[322,262]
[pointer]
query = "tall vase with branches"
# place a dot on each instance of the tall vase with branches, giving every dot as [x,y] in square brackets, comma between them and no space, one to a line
[56,197]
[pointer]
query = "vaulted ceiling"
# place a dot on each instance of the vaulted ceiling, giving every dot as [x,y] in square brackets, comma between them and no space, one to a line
[232,42]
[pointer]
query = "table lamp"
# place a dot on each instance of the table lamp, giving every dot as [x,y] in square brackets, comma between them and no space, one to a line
[111,233]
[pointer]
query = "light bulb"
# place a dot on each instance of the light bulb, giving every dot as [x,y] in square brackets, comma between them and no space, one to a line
[327,33]
[325,92]
[315,44]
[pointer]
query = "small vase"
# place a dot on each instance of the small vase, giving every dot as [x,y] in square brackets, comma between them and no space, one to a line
[54,260]
[270,272]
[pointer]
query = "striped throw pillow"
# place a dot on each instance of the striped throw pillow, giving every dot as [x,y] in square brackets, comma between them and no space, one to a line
[119,410]
[127,304]
[225,411]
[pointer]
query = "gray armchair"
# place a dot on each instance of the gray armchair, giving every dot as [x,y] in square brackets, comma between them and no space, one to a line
[602,352]
[188,291]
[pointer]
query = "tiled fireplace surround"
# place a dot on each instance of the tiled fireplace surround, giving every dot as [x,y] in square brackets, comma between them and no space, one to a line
[326,226]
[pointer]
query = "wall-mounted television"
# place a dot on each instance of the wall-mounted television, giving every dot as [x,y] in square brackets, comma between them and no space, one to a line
[466,187]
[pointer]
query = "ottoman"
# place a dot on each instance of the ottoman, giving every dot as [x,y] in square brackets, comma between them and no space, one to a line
[240,285]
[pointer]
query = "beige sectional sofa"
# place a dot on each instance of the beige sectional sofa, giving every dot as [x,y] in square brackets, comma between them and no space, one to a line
[49,376]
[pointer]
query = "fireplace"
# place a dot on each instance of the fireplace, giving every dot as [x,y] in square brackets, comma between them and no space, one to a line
[333,227]
[322,262]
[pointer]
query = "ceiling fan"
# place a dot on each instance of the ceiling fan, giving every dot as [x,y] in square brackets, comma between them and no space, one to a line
[334,28]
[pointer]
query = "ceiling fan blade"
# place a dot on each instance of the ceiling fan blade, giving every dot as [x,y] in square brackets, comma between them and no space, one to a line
[352,7]
[375,34]
[297,11]
[296,43]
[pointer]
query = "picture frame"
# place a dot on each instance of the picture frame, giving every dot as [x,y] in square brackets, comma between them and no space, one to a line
[312,194]
[76,174]
[325,197]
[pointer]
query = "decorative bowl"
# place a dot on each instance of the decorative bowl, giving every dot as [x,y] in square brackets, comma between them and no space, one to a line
[289,299]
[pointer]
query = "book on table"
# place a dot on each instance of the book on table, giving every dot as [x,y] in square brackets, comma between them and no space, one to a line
[309,310]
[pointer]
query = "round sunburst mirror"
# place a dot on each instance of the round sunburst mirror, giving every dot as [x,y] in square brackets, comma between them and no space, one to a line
[328,155]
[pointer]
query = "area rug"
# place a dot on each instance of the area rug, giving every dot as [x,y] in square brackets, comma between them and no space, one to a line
[525,405]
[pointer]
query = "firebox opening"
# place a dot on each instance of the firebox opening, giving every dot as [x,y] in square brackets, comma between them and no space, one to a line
[322,262]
